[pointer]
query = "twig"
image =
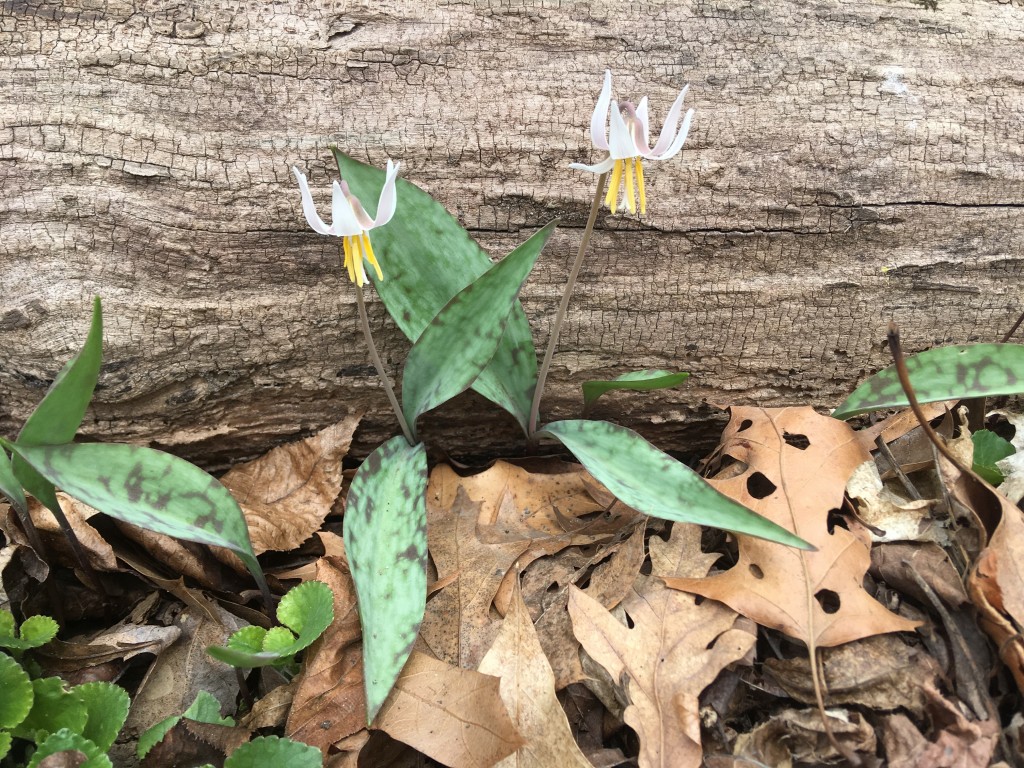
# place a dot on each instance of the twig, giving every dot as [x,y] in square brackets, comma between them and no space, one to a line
[883,448]
[1013,330]
[563,307]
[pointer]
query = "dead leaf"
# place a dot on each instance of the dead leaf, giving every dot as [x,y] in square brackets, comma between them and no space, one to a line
[287,493]
[99,553]
[459,626]
[899,424]
[879,506]
[892,563]
[672,650]
[795,465]
[880,672]
[270,710]
[330,703]
[455,716]
[528,690]
[800,735]
[957,742]
[184,558]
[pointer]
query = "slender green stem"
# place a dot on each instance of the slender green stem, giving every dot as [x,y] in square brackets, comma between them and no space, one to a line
[556,327]
[380,366]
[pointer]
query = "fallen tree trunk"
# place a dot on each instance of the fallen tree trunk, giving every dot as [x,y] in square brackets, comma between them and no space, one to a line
[848,163]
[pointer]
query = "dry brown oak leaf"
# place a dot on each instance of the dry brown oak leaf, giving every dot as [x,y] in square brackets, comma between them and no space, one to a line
[673,650]
[792,467]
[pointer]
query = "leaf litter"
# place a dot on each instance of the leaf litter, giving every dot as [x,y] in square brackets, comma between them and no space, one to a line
[564,629]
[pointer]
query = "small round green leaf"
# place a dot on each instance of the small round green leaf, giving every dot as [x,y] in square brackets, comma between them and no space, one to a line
[307,610]
[206,709]
[267,751]
[385,530]
[248,639]
[7,627]
[654,483]
[278,640]
[107,706]
[637,380]
[66,740]
[16,701]
[38,630]
[155,734]
[5,744]
[53,708]
[943,373]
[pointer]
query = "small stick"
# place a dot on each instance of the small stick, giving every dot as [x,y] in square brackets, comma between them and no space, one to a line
[883,448]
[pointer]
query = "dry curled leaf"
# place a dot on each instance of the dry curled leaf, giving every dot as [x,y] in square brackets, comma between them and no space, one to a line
[672,650]
[793,466]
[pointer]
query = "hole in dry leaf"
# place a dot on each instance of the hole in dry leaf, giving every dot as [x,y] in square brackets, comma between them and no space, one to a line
[756,572]
[797,441]
[828,600]
[745,424]
[629,621]
[759,486]
[698,599]
[836,519]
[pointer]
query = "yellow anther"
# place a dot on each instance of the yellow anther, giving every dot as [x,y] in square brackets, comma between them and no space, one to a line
[640,185]
[612,198]
[368,250]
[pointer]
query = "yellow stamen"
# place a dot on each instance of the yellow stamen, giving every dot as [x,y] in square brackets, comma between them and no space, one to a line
[612,198]
[640,185]
[357,261]
[347,242]
[368,250]
[630,199]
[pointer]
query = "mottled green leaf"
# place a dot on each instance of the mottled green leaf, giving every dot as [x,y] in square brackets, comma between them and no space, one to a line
[638,380]
[427,258]
[10,487]
[59,414]
[943,373]
[17,697]
[457,345]
[654,483]
[307,609]
[266,751]
[35,631]
[150,489]
[107,705]
[68,740]
[53,708]
[385,530]
[988,449]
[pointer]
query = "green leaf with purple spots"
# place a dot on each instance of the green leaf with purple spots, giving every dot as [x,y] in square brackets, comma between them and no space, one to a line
[427,258]
[637,380]
[147,488]
[10,487]
[59,414]
[654,483]
[306,610]
[461,340]
[385,530]
[943,373]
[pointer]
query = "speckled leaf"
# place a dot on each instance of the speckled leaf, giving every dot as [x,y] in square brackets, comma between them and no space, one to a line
[457,345]
[386,542]
[988,449]
[638,380]
[59,414]
[150,489]
[427,258]
[943,373]
[10,487]
[308,609]
[654,483]
[273,750]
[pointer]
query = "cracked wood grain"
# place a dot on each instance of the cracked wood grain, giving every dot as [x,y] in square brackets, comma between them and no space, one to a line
[145,153]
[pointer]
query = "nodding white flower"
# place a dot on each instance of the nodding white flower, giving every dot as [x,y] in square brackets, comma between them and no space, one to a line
[351,222]
[628,142]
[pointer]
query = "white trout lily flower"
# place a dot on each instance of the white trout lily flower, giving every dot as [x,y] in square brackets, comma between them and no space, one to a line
[628,142]
[351,222]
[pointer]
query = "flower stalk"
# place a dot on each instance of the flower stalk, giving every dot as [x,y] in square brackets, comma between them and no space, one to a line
[563,307]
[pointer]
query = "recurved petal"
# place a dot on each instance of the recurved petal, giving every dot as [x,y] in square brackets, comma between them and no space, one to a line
[641,116]
[680,137]
[620,143]
[308,207]
[388,196]
[346,222]
[599,120]
[603,167]
[668,131]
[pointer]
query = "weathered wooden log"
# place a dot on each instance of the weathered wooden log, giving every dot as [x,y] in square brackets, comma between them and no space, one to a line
[849,163]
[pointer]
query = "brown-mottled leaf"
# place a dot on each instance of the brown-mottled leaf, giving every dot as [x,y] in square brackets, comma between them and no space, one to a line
[329,703]
[793,466]
[455,716]
[286,494]
[671,650]
[528,690]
